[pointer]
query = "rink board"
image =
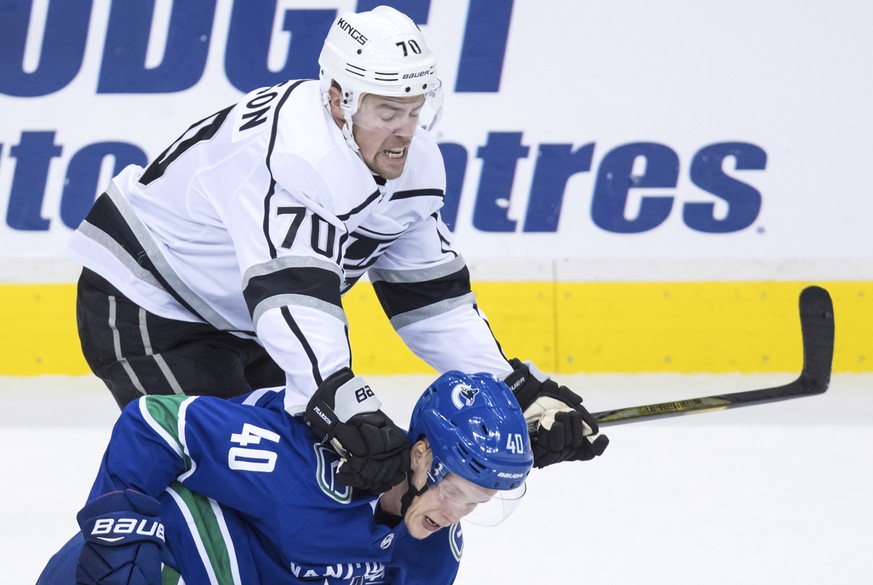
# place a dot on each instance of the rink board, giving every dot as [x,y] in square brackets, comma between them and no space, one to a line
[570,327]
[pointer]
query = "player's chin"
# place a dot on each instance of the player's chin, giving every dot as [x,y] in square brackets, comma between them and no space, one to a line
[391,167]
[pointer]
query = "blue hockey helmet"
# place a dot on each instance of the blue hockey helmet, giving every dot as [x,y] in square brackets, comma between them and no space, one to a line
[476,430]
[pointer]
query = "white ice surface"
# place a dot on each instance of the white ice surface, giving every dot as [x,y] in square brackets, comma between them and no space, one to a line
[772,494]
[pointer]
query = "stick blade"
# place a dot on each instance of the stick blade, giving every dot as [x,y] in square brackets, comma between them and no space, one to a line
[817,331]
[817,328]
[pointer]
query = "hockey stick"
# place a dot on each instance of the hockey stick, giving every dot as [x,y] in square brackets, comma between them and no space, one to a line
[817,331]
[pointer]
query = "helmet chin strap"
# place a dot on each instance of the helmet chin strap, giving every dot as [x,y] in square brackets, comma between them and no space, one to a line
[410,494]
[348,103]
[349,136]
[411,491]
[346,128]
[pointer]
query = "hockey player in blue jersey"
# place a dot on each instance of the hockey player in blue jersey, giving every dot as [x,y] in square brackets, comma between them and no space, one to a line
[228,492]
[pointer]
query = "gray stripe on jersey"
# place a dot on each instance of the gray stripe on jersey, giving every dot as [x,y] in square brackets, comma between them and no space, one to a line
[160,263]
[159,359]
[99,236]
[284,262]
[417,275]
[116,344]
[279,301]
[432,310]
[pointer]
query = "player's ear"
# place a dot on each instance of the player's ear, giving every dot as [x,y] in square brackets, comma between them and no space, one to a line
[334,97]
[420,456]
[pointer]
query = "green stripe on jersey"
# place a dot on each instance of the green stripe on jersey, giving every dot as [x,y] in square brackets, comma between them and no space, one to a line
[165,414]
[170,576]
[209,532]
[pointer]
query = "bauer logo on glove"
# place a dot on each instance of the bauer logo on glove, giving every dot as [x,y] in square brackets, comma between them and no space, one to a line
[124,538]
[118,529]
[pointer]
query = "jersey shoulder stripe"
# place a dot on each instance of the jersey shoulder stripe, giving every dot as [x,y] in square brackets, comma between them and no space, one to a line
[366,203]
[410,193]
[165,415]
[202,130]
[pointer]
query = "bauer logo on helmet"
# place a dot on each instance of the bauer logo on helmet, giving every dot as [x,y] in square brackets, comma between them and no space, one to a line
[416,74]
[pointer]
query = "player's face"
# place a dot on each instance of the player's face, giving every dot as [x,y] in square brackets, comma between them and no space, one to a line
[443,504]
[383,128]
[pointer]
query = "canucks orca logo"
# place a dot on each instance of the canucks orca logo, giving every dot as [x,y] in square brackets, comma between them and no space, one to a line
[326,467]
[456,541]
[463,395]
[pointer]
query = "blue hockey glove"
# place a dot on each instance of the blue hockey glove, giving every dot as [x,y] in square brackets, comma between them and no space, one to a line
[345,412]
[560,428]
[123,540]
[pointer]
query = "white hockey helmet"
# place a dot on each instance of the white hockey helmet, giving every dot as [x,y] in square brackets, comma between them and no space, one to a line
[379,52]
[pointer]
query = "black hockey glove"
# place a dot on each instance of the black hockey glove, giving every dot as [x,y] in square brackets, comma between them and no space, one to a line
[345,412]
[123,540]
[560,428]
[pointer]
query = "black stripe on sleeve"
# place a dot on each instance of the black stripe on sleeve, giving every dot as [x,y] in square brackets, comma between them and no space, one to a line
[307,349]
[206,130]
[401,297]
[418,193]
[372,197]
[317,283]
[105,216]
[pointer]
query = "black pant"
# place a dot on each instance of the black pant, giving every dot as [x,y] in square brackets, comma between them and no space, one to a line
[136,352]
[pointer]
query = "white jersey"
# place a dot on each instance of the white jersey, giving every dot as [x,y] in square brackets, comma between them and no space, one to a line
[257,220]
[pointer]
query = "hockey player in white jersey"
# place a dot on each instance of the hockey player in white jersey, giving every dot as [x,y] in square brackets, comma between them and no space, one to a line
[220,267]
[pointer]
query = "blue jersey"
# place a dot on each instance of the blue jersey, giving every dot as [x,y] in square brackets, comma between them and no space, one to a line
[250,497]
